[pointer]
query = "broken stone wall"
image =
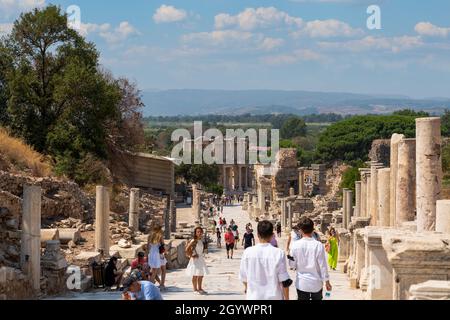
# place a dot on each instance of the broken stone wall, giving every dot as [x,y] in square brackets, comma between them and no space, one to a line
[381,151]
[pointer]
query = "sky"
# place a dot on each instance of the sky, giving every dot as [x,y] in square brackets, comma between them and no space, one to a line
[316,45]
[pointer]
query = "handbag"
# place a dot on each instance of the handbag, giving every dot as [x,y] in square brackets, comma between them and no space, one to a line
[162,248]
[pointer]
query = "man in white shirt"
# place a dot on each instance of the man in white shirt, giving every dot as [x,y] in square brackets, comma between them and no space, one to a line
[309,259]
[263,268]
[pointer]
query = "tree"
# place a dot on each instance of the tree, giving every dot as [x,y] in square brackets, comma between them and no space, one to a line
[204,174]
[351,139]
[350,176]
[293,127]
[411,113]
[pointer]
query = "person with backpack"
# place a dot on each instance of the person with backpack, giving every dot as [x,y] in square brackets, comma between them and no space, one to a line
[197,268]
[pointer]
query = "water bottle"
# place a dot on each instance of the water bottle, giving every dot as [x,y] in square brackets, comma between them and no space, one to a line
[327,295]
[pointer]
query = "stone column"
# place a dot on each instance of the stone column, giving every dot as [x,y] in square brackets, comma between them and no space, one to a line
[291,192]
[102,220]
[357,199]
[283,214]
[240,178]
[384,187]
[363,197]
[133,218]
[349,208]
[374,192]
[289,217]
[395,140]
[405,204]
[167,214]
[225,182]
[443,216]
[301,182]
[173,216]
[31,235]
[429,171]
[368,194]
[246,178]
[344,208]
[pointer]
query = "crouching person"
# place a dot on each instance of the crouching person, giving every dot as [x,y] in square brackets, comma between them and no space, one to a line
[134,289]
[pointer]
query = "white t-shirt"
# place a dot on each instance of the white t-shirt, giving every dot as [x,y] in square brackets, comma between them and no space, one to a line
[294,237]
[263,268]
[310,263]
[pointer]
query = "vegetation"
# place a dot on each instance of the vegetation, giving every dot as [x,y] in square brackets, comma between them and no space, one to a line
[22,156]
[446,123]
[350,176]
[351,139]
[54,96]
[293,127]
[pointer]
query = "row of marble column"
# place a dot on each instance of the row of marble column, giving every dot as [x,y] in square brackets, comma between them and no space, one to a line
[410,189]
[236,180]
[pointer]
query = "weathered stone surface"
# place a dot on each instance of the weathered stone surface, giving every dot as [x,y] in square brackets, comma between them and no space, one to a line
[128,253]
[430,290]
[381,151]
[87,258]
[443,216]
[67,235]
[406,182]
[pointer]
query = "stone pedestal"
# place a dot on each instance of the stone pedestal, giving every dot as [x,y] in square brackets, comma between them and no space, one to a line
[54,267]
[395,140]
[429,171]
[344,247]
[406,182]
[359,259]
[443,216]
[384,218]
[379,269]
[102,220]
[133,219]
[430,290]
[416,258]
[30,257]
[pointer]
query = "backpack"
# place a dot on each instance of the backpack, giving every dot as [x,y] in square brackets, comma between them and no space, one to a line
[190,249]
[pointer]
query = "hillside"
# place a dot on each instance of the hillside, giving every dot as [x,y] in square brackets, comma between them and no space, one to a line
[196,102]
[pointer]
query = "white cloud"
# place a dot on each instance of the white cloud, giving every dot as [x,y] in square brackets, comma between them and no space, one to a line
[431,30]
[327,28]
[300,55]
[8,7]
[165,14]
[369,43]
[218,37]
[5,28]
[112,36]
[252,18]
[271,43]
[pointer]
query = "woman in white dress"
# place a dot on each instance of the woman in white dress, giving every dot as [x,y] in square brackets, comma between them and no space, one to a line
[197,268]
[154,258]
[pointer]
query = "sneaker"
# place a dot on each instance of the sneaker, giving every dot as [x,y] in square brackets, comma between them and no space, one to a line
[203,292]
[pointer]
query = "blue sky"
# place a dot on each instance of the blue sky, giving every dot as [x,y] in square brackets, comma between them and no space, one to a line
[320,45]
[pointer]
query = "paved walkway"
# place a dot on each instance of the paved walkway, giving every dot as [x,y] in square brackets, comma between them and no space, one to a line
[223,281]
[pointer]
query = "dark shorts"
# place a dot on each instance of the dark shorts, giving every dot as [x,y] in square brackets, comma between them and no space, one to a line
[236,238]
[230,246]
[309,295]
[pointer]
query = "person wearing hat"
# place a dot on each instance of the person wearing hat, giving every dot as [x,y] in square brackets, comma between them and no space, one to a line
[140,290]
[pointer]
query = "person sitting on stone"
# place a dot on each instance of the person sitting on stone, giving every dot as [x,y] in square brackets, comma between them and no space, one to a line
[141,263]
[112,275]
[134,289]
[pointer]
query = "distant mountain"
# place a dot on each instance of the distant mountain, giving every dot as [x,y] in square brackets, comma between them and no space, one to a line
[201,102]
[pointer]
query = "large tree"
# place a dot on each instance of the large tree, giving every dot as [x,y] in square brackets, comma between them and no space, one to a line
[293,127]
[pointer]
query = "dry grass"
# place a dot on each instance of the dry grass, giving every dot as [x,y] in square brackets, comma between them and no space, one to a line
[22,156]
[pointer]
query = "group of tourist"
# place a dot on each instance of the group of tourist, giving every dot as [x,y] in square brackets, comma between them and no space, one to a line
[263,269]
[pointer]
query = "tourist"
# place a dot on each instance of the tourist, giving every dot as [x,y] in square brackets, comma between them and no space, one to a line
[112,275]
[293,236]
[279,229]
[219,238]
[332,249]
[140,290]
[274,241]
[248,239]
[224,225]
[155,240]
[308,257]
[141,263]
[263,268]
[229,243]
[235,230]
[197,268]
[163,269]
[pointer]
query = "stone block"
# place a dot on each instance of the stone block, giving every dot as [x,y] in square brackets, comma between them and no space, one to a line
[128,253]
[430,290]
[67,235]
[87,258]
